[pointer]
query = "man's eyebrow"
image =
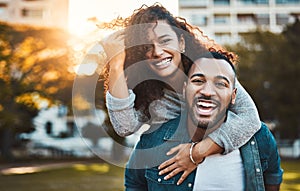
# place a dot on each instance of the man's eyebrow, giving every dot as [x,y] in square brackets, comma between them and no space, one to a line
[223,77]
[197,75]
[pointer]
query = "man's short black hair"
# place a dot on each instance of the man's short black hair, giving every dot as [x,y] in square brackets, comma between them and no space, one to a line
[216,55]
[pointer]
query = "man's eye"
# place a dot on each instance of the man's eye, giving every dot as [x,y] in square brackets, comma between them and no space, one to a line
[221,84]
[197,81]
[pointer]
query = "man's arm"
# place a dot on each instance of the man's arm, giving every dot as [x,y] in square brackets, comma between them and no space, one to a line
[272,187]
[273,174]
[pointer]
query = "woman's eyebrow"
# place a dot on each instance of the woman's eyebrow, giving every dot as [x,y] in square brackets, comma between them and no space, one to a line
[163,36]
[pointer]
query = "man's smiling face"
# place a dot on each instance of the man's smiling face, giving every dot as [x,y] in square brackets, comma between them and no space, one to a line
[209,91]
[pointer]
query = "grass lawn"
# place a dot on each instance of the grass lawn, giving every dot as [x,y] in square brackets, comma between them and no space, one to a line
[75,177]
[102,177]
[291,176]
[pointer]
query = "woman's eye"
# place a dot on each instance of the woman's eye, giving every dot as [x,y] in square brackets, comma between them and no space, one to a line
[148,48]
[164,41]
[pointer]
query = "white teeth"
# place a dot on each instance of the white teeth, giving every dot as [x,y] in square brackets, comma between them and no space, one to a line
[164,62]
[205,104]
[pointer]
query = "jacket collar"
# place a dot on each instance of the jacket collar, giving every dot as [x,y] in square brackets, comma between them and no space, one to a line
[177,129]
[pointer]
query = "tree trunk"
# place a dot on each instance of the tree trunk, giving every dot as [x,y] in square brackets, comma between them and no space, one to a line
[6,142]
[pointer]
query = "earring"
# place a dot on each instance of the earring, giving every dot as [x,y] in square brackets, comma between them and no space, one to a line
[182,51]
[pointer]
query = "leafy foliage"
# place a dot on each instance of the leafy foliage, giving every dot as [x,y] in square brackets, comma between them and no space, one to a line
[269,68]
[33,69]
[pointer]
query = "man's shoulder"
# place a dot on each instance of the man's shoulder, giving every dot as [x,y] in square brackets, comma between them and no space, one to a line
[265,140]
[263,133]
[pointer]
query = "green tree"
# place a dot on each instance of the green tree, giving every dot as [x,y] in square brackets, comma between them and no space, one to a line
[33,69]
[269,67]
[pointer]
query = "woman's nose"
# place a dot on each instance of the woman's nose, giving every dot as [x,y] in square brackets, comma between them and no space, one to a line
[157,50]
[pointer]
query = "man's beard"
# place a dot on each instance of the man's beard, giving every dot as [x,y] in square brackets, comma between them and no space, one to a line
[208,124]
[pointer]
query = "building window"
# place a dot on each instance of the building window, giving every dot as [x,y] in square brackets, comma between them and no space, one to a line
[49,128]
[193,3]
[32,13]
[282,19]
[221,2]
[245,18]
[263,19]
[254,1]
[287,1]
[221,19]
[199,20]
[3,5]
[3,8]
[223,38]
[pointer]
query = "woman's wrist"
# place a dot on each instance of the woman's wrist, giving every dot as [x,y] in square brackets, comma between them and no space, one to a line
[205,148]
[198,154]
[116,67]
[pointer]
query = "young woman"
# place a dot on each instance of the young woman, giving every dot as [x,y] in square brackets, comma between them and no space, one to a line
[144,78]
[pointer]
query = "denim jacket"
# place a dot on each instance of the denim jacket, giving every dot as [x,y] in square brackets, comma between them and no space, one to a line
[260,158]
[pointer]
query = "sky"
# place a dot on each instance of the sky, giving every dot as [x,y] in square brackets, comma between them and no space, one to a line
[106,10]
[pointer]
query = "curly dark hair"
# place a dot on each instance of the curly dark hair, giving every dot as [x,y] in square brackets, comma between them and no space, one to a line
[196,43]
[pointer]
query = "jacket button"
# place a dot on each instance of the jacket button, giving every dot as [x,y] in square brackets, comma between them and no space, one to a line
[257,170]
[252,142]
[190,185]
[159,179]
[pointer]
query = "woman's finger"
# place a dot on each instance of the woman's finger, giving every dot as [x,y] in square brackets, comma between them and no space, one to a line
[173,173]
[166,163]
[183,177]
[174,149]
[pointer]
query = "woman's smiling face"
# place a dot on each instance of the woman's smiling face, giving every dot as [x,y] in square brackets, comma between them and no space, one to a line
[164,56]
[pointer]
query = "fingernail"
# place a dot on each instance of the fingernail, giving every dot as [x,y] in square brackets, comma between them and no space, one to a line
[159,173]
[165,178]
[167,153]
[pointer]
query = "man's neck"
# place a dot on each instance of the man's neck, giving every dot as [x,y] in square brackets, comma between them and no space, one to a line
[197,133]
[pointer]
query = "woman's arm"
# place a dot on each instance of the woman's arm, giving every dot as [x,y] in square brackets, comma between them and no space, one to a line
[114,48]
[124,118]
[241,124]
[119,99]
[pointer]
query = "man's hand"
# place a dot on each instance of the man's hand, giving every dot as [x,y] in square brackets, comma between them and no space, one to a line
[180,162]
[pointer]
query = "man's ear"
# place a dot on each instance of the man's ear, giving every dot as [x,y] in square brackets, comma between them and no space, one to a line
[183,90]
[233,96]
[182,44]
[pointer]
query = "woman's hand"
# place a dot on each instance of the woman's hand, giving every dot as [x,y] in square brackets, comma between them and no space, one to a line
[114,48]
[180,162]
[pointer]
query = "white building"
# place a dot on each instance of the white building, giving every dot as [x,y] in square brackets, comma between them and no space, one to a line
[50,13]
[224,20]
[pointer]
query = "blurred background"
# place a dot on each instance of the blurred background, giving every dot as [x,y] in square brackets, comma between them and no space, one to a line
[49,74]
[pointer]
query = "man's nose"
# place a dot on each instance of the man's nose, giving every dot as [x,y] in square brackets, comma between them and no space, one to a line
[207,89]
